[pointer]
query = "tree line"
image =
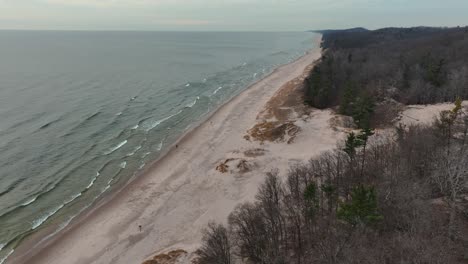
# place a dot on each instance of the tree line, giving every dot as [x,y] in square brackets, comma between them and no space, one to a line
[361,68]
[372,200]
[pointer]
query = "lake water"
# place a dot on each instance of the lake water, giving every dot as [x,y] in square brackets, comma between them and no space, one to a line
[82,112]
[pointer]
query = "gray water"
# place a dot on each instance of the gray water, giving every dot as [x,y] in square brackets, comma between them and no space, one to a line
[82,112]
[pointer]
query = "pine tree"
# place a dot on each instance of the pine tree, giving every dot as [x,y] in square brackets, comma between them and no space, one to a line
[361,209]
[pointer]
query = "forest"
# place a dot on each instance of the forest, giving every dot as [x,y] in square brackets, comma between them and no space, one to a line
[374,199]
[361,70]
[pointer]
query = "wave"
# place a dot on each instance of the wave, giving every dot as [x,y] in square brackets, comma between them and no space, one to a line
[93,180]
[43,192]
[158,122]
[29,202]
[123,165]
[50,123]
[12,186]
[187,85]
[93,116]
[193,103]
[160,145]
[38,222]
[134,151]
[255,74]
[119,114]
[6,256]
[279,53]
[135,127]
[217,90]
[106,188]
[116,147]
[141,166]
[73,129]
[26,121]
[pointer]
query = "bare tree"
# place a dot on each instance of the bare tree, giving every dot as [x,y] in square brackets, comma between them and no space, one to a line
[215,247]
[451,173]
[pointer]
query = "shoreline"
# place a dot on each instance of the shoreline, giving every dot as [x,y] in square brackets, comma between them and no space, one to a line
[103,206]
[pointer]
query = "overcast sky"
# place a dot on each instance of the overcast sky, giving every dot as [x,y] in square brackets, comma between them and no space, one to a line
[228,15]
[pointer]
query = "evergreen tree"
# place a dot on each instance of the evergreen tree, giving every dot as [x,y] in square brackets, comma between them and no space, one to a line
[361,209]
[348,99]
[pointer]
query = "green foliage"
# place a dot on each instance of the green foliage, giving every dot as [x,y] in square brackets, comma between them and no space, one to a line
[317,88]
[363,110]
[328,189]
[364,135]
[351,144]
[406,78]
[435,70]
[311,199]
[458,106]
[349,97]
[361,209]
[354,141]
[359,107]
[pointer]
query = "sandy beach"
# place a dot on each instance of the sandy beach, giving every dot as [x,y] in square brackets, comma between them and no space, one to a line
[214,167]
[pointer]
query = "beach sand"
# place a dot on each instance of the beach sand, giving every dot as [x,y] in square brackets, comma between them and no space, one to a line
[215,167]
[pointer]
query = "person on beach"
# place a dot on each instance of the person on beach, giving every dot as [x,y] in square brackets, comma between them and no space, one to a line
[139,227]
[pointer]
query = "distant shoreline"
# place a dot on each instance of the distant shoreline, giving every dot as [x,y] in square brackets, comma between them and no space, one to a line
[29,249]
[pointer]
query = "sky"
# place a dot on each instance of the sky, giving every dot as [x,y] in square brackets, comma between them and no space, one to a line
[228,15]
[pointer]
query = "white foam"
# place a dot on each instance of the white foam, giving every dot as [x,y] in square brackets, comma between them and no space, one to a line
[123,165]
[160,145]
[6,256]
[106,188]
[187,85]
[135,127]
[141,166]
[158,122]
[2,246]
[193,103]
[118,114]
[116,147]
[217,90]
[134,151]
[73,198]
[146,154]
[28,203]
[91,183]
[38,222]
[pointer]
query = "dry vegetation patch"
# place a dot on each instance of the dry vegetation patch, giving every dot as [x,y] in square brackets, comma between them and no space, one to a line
[172,257]
[274,132]
[235,165]
[256,152]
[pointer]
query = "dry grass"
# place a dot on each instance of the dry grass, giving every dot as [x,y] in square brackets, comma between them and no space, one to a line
[242,166]
[256,152]
[274,132]
[167,258]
